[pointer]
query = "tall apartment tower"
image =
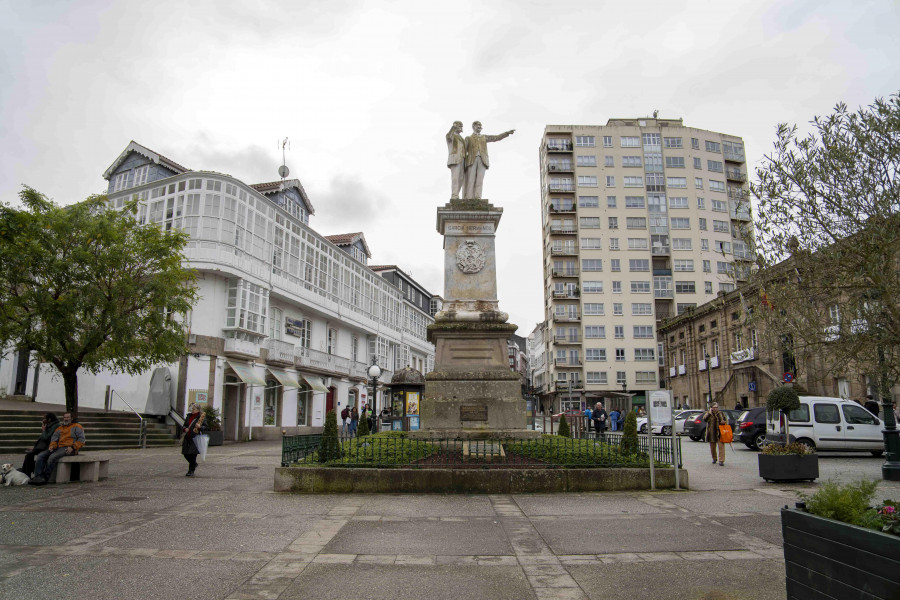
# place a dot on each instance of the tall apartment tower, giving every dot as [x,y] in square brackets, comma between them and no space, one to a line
[642,219]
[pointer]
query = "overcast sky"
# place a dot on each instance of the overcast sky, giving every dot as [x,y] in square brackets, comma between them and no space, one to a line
[367,90]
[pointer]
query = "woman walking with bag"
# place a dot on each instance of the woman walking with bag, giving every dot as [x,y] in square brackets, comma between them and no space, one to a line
[713,419]
[193,426]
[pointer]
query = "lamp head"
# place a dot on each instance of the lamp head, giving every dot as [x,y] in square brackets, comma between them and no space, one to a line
[374,371]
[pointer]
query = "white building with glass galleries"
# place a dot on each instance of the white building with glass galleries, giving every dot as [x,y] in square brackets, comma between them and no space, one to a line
[286,323]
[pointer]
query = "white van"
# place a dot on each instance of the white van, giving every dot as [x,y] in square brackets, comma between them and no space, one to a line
[829,424]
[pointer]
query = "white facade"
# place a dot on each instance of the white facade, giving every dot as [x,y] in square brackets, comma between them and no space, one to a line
[286,323]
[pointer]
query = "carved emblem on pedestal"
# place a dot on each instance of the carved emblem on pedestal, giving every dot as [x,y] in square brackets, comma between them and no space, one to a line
[470,257]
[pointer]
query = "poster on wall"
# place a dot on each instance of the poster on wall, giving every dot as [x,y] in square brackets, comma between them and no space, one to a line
[413,423]
[198,396]
[412,404]
[256,416]
[397,425]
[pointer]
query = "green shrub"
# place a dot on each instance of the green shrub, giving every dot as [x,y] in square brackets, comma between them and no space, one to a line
[557,450]
[389,448]
[792,448]
[847,503]
[563,427]
[211,420]
[629,443]
[331,444]
[363,429]
[783,398]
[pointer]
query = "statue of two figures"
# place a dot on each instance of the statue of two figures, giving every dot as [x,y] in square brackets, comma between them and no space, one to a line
[468,159]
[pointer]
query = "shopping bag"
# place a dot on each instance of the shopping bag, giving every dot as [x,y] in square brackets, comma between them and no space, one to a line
[201,441]
[726,436]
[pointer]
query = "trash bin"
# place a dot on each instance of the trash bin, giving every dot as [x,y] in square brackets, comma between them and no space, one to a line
[385,426]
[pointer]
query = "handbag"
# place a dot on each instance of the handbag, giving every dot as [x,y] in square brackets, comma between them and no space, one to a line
[201,442]
[726,436]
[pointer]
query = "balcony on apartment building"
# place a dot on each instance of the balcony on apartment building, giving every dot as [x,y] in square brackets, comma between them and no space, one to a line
[237,348]
[732,156]
[563,230]
[567,318]
[559,146]
[307,358]
[279,352]
[566,272]
[562,207]
[571,338]
[568,362]
[740,210]
[738,193]
[566,294]
[736,175]
[564,251]
[657,250]
[559,186]
[561,166]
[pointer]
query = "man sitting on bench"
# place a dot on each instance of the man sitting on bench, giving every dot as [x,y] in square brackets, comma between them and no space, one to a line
[67,440]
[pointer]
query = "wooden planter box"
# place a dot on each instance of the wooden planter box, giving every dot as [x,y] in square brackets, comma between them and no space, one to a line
[788,467]
[824,558]
[216,438]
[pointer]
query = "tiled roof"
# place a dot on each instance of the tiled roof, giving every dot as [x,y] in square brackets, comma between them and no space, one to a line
[342,239]
[146,152]
[270,187]
[383,267]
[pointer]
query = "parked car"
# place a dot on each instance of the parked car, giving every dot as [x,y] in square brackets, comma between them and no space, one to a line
[664,428]
[683,417]
[695,428]
[826,423]
[751,426]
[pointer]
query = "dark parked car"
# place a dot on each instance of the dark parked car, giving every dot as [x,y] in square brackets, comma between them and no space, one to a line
[696,428]
[751,427]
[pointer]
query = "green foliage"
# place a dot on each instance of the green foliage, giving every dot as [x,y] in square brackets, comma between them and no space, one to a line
[331,444]
[387,448]
[886,517]
[363,427]
[88,288]
[629,443]
[847,503]
[563,430]
[211,419]
[558,450]
[783,398]
[792,448]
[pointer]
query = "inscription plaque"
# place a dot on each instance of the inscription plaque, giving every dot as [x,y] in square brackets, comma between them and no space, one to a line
[473,412]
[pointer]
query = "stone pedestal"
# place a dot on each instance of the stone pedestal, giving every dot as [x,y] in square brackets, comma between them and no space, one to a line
[472,393]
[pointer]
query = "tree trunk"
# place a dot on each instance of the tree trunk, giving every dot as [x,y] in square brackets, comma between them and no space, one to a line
[70,379]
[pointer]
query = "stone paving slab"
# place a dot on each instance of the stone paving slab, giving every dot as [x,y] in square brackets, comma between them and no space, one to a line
[476,536]
[558,505]
[426,506]
[33,528]
[767,528]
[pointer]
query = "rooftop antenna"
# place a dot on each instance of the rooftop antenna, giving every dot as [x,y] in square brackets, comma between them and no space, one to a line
[283,171]
[655,114]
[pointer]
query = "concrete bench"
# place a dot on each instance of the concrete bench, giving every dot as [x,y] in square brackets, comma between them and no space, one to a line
[91,467]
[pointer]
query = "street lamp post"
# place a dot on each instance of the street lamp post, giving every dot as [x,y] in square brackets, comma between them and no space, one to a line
[708,379]
[374,374]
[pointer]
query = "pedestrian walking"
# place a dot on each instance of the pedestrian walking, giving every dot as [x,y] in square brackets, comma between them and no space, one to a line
[354,420]
[871,405]
[193,426]
[713,419]
[613,420]
[345,414]
[588,419]
[600,418]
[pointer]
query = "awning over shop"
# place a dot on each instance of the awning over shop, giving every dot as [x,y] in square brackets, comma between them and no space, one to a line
[287,380]
[315,383]
[246,373]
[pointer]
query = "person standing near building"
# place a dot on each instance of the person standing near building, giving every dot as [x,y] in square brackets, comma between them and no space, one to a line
[354,420]
[588,419]
[613,420]
[713,419]
[193,426]
[345,414]
[600,418]
[871,405]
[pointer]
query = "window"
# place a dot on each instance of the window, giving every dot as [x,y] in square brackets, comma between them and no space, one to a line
[140,175]
[587,161]
[698,183]
[593,308]
[716,186]
[722,247]
[595,331]
[678,202]
[698,164]
[587,180]
[672,142]
[714,147]
[733,151]
[591,264]
[620,354]
[645,377]
[634,202]
[641,308]
[706,267]
[724,268]
[676,182]
[640,287]
[630,141]
[645,354]
[639,264]
[595,354]
[613,242]
[685,287]
[726,287]
[704,244]
[721,226]
[615,264]
[801,415]
[636,181]
[620,332]
[596,377]
[610,181]
[643,332]
[826,413]
[707,287]
[680,222]
[695,143]
[636,222]
[674,162]
[589,201]
[638,244]
[120,181]
[621,378]
[719,206]
[590,243]
[589,222]
[651,139]
[631,161]
[683,264]
[656,182]
[607,141]
[702,222]
[681,243]
[857,415]
[714,166]
[617,309]
[613,222]
[610,202]
[617,287]
[682,307]
[275,323]
[593,287]
[584,141]
[609,161]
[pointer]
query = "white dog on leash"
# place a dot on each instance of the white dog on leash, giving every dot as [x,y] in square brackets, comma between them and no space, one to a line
[12,476]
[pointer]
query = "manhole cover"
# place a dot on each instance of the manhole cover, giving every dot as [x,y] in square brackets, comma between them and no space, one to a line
[245,468]
[127,499]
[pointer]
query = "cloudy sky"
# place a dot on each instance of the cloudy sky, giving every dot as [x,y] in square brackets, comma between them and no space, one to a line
[366,91]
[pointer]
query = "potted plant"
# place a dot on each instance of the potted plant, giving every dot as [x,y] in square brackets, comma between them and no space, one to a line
[836,544]
[213,426]
[786,462]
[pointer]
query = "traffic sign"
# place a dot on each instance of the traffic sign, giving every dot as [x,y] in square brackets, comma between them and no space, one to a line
[752,386]
[788,377]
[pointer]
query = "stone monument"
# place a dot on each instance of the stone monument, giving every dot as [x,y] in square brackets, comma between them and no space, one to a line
[471,393]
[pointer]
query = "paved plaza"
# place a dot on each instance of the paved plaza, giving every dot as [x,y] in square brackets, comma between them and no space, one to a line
[150,532]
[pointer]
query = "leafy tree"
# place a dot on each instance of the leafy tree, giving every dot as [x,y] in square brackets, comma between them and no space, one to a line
[88,288]
[563,427]
[828,229]
[363,428]
[331,445]
[783,399]
[629,444]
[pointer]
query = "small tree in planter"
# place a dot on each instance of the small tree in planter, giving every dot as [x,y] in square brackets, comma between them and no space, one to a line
[363,427]
[788,461]
[331,444]
[783,399]
[213,425]
[629,443]
[563,427]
